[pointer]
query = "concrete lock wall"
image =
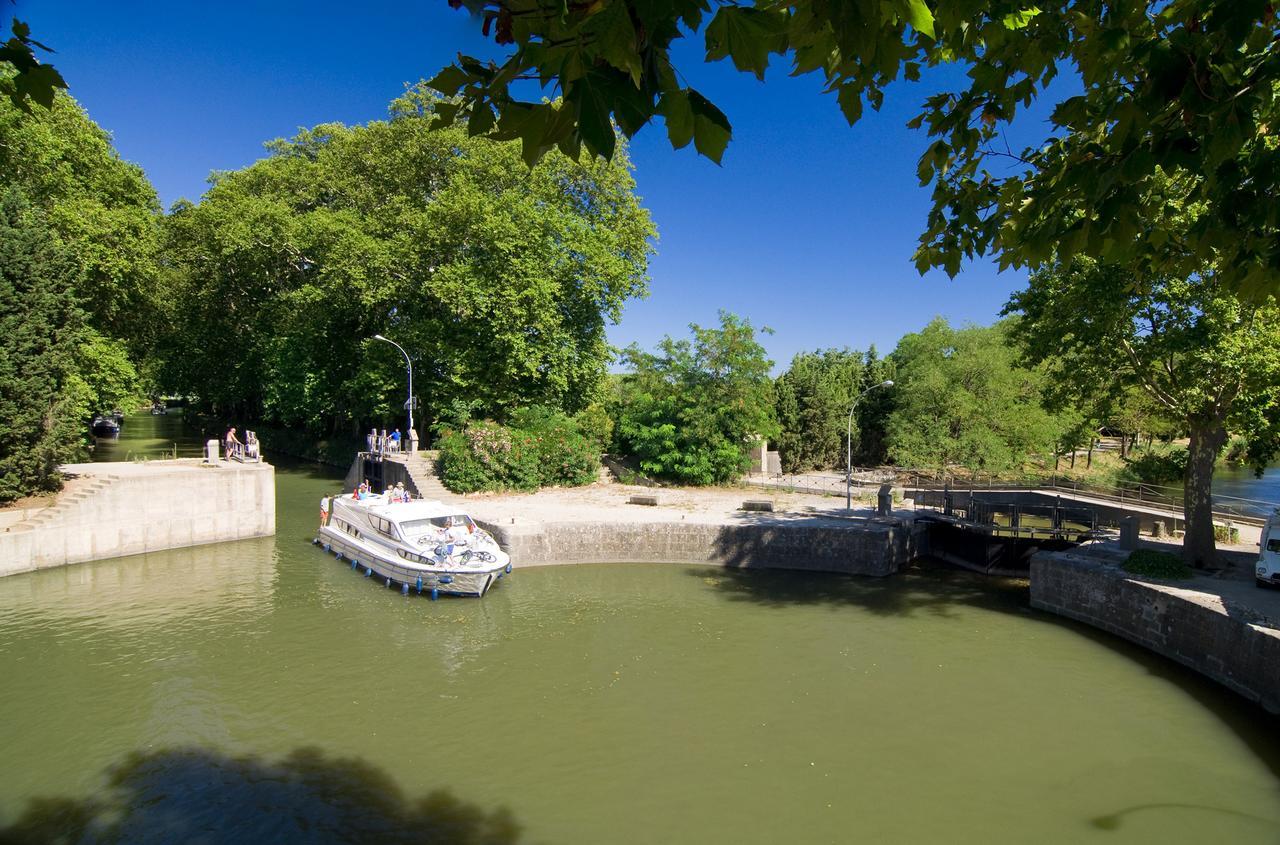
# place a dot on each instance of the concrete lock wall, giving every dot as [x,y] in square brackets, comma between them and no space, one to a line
[1203,636]
[136,508]
[866,549]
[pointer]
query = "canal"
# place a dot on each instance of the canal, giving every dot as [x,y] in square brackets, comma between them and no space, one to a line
[262,691]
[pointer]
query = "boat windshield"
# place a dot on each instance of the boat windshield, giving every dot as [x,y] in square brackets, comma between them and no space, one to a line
[412,529]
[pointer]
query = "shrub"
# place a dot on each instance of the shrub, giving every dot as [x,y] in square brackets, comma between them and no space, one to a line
[462,468]
[542,448]
[1154,564]
[595,423]
[1159,465]
[1226,534]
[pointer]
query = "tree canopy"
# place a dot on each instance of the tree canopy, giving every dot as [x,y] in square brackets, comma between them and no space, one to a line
[690,412]
[814,397]
[1184,88]
[101,207]
[497,280]
[962,400]
[80,274]
[1208,359]
[41,401]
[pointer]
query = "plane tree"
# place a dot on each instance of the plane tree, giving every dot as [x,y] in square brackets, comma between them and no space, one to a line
[498,280]
[1207,357]
[961,400]
[1183,87]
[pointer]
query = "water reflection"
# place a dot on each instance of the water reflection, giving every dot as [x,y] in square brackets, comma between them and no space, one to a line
[201,582]
[186,795]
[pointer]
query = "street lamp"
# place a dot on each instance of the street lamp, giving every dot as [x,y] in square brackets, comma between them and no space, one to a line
[848,445]
[409,435]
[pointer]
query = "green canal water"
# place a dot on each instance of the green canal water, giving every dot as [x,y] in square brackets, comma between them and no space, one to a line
[261,691]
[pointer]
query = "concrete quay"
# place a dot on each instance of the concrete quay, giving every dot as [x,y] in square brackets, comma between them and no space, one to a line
[1221,626]
[597,524]
[115,509]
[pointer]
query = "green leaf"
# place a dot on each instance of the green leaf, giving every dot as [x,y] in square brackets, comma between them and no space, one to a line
[593,111]
[748,35]
[711,129]
[1019,20]
[481,121]
[39,83]
[850,99]
[449,80]
[445,113]
[616,38]
[674,107]
[920,18]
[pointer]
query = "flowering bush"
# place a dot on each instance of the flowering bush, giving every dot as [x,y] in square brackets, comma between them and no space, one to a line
[541,448]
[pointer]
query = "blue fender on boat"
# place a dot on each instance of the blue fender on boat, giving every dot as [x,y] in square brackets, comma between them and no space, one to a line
[326,547]
[508,569]
[404,591]
[368,571]
[435,594]
[446,579]
[419,584]
[354,563]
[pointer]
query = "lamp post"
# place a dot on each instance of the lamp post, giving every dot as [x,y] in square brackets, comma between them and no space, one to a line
[410,435]
[848,445]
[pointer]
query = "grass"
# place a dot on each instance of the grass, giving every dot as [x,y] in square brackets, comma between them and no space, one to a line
[1153,564]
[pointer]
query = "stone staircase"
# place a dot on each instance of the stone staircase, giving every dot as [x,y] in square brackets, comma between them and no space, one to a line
[64,509]
[421,467]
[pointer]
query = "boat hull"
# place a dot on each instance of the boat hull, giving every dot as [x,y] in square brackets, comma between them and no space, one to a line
[457,580]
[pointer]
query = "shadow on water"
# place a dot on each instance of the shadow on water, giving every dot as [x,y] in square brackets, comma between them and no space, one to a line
[936,588]
[184,795]
[1113,821]
[926,588]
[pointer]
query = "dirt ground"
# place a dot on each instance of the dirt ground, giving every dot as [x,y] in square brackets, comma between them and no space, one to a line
[609,502]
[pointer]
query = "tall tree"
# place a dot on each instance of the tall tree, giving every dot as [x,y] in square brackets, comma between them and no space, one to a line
[871,421]
[813,400]
[1185,87]
[41,400]
[499,281]
[962,400]
[1209,358]
[691,411]
[101,207]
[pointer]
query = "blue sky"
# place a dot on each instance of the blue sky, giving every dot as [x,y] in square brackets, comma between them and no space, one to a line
[807,227]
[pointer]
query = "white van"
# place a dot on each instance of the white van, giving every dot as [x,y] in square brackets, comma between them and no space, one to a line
[1269,555]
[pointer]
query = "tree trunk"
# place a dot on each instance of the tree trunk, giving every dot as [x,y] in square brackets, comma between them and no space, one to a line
[1124,446]
[1073,457]
[1207,439]
[1088,464]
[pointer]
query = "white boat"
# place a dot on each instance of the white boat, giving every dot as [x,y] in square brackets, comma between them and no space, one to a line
[420,544]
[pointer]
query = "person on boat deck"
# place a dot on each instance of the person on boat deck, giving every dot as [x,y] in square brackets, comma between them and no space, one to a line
[230,441]
[401,494]
[457,530]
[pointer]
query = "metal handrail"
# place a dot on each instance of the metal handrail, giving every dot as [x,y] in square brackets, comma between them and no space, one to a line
[1225,508]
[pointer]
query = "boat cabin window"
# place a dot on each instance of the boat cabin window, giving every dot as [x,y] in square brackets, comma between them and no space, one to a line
[1273,543]
[415,528]
[383,525]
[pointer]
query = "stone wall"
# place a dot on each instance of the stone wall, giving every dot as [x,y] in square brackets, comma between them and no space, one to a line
[871,548]
[1197,630]
[124,509]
